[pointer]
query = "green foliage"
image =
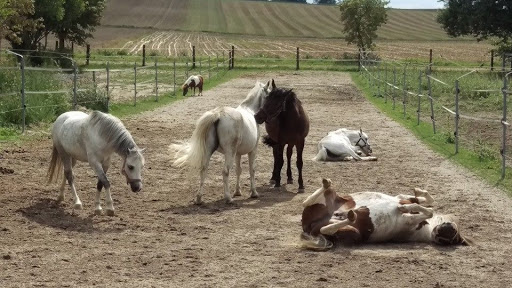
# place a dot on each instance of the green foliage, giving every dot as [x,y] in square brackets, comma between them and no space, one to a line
[361,19]
[15,18]
[480,18]
[92,99]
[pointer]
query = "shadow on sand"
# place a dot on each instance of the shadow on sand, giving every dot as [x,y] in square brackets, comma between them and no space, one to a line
[269,196]
[48,212]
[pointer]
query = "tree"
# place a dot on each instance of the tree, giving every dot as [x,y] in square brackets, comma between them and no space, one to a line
[482,19]
[361,19]
[15,17]
[79,21]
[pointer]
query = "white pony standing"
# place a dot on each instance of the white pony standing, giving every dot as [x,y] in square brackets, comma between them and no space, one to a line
[231,131]
[94,138]
[344,145]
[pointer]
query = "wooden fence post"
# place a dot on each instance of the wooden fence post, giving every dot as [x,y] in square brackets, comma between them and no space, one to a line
[492,60]
[297,58]
[87,54]
[232,56]
[194,58]
[144,55]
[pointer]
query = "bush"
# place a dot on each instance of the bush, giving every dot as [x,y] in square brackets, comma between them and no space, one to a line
[92,99]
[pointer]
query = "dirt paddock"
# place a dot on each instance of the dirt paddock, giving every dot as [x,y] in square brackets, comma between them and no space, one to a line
[159,238]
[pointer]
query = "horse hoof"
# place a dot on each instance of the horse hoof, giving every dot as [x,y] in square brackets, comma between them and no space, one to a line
[60,199]
[77,206]
[98,212]
[301,190]
[237,193]
[289,181]
[272,182]
[255,195]
[110,212]
[229,201]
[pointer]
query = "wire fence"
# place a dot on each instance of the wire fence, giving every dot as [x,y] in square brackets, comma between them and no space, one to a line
[465,106]
[36,91]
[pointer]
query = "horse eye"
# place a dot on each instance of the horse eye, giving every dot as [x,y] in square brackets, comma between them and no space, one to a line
[130,167]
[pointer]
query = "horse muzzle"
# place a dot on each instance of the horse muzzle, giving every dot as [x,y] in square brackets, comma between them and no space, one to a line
[135,184]
[260,117]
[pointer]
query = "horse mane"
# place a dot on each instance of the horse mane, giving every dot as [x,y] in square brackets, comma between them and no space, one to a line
[112,130]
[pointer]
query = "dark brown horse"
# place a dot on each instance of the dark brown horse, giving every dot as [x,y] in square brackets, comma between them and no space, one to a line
[286,123]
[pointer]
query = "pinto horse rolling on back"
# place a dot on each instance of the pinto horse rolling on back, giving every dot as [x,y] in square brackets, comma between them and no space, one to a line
[193,82]
[286,123]
[373,217]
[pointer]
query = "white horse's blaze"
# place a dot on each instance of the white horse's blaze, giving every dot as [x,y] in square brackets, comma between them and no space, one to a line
[376,217]
[93,138]
[344,145]
[231,131]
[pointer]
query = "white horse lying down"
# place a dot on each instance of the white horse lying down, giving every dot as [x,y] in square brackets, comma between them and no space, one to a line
[373,217]
[344,145]
[231,131]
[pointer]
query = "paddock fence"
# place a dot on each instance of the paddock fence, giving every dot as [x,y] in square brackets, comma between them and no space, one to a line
[465,106]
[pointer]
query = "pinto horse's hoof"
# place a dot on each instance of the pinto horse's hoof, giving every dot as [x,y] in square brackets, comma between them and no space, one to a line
[77,206]
[289,181]
[255,195]
[229,201]
[98,212]
[110,212]
[237,193]
[301,190]
[272,182]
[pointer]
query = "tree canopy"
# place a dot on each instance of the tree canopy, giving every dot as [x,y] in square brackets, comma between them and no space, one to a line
[15,17]
[361,19]
[483,19]
[72,20]
[325,2]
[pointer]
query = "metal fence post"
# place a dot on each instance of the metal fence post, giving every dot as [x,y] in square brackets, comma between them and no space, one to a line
[200,67]
[156,79]
[419,97]
[405,88]
[429,83]
[75,72]
[378,79]
[394,88]
[87,54]
[232,56]
[385,82]
[23,104]
[456,134]
[504,124]
[108,88]
[209,66]
[217,63]
[174,76]
[135,84]
[186,70]
[144,55]
[297,68]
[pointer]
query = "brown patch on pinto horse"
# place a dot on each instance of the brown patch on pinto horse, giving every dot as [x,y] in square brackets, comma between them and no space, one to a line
[409,201]
[358,232]
[318,215]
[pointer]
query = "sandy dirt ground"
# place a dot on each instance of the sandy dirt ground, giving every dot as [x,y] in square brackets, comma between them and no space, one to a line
[158,238]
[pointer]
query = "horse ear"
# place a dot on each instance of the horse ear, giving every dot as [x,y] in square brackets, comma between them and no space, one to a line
[273,84]
[268,84]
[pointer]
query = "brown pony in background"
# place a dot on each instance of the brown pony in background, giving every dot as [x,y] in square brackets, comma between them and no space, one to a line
[286,123]
[193,82]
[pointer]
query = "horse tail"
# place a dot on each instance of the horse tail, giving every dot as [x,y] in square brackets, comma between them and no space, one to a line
[268,141]
[194,153]
[55,166]
[319,243]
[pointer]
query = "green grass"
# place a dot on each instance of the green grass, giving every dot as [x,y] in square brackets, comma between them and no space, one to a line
[489,168]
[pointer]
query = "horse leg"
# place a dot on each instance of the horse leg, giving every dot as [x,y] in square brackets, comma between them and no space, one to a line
[252,170]
[228,163]
[238,173]
[335,225]
[68,164]
[289,152]
[97,202]
[62,188]
[278,164]
[423,196]
[102,177]
[415,212]
[300,149]
[275,153]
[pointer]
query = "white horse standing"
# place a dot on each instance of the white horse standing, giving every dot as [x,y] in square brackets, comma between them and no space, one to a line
[231,131]
[93,138]
[344,145]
